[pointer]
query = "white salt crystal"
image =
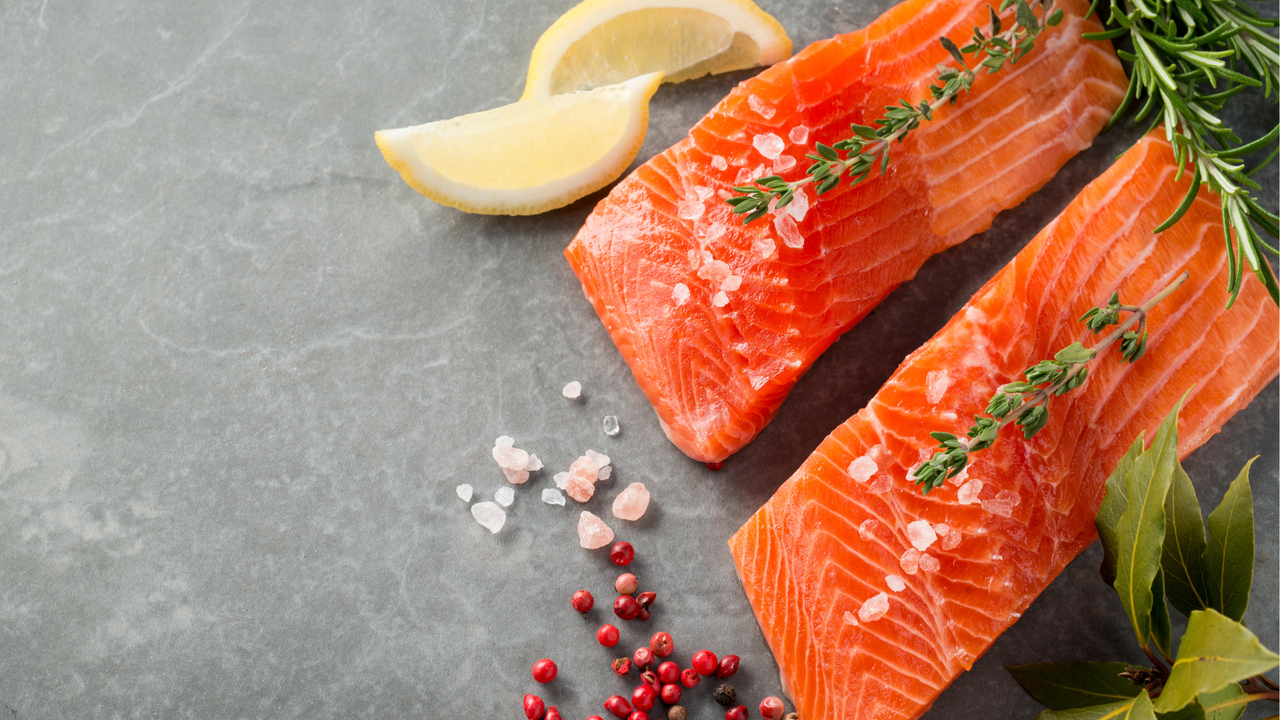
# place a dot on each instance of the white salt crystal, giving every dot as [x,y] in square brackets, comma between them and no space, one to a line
[935,386]
[862,469]
[758,172]
[874,609]
[713,233]
[799,206]
[910,561]
[719,163]
[798,135]
[561,478]
[895,583]
[952,540]
[610,425]
[464,492]
[706,256]
[929,563]
[768,145]
[604,472]
[572,390]
[1015,615]
[510,458]
[762,108]
[516,477]
[731,283]
[763,246]
[960,477]
[1002,504]
[680,293]
[702,192]
[881,484]
[600,459]
[744,177]
[720,299]
[504,441]
[505,496]
[592,532]
[968,493]
[867,529]
[849,618]
[552,496]
[788,231]
[921,534]
[690,210]
[716,271]
[783,164]
[723,194]
[535,463]
[489,515]
[631,502]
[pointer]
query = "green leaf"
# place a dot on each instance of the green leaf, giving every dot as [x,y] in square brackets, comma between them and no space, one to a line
[1075,353]
[1182,556]
[1138,534]
[1228,556]
[951,48]
[1215,652]
[1139,708]
[1064,686]
[1161,632]
[1222,700]
[1114,503]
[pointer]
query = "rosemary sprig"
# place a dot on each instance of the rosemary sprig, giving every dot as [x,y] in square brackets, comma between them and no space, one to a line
[869,146]
[1025,403]
[1182,49]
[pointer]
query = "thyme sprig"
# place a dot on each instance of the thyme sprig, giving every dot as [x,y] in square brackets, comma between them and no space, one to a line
[1025,403]
[869,145]
[1182,50]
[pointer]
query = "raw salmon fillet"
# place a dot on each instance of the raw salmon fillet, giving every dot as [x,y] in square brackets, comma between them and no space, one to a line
[824,544]
[656,253]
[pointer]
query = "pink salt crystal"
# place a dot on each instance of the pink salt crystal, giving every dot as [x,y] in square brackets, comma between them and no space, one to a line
[690,210]
[910,561]
[695,260]
[952,539]
[763,246]
[762,108]
[592,532]
[867,529]
[862,469]
[849,618]
[631,503]
[510,458]
[720,299]
[706,256]
[798,135]
[744,177]
[585,467]
[1002,504]
[680,293]
[921,534]
[935,386]
[799,206]
[788,231]
[716,271]
[881,484]
[783,163]
[731,283]
[968,493]
[724,194]
[881,455]
[768,145]
[534,464]
[960,477]
[517,477]
[600,459]
[929,563]
[579,489]
[702,192]
[895,583]
[874,609]
[719,163]
[942,529]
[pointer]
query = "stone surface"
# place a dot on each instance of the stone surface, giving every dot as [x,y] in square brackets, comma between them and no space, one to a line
[243,368]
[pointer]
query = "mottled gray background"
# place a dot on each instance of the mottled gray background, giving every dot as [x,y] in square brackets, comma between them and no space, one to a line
[243,366]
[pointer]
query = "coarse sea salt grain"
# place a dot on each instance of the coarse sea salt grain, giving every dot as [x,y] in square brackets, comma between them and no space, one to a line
[764,247]
[579,489]
[910,561]
[535,463]
[952,539]
[610,425]
[968,493]
[572,390]
[720,299]
[510,458]
[867,529]
[516,477]
[600,459]
[505,496]
[788,231]
[744,176]
[504,441]
[464,492]
[960,477]
[680,293]
[592,532]
[489,515]
[895,583]
[783,163]
[768,145]
[798,135]
[604,472]
[849,618]
[862,469]
[762,108]
[881,484]
[874,609]
[631,502]
[799,205]
[713,233]
[1002,504]
[921,534]
[719,163]
[690,210]
[935,386]
[716,271]
[929,563]
[731,283]
[561,478]
[552,496]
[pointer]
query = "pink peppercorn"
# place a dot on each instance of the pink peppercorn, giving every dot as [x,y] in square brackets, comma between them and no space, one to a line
[626,584]
[534,708]
[643,697]
[544,671]
[661,644]
[728,666]
[638,715]
[553,713]
[582,601]
[622,666]
[671,694]
[607,635]
[626,607]
[705,662]
[618,706]
[737,712]
[643,657]
[622,553]
[689,677]
[668,672]
[771,708]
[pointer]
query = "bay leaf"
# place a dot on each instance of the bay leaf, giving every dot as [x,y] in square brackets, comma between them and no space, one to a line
[1064,686]
[1137,708]
[1228,555]
[1215,652]
[1182,555]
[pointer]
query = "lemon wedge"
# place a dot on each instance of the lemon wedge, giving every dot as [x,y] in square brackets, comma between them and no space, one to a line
[527,157]
[607,41]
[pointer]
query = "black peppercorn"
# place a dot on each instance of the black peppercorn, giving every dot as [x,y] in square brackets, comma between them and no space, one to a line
[725,695]
[677,712]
